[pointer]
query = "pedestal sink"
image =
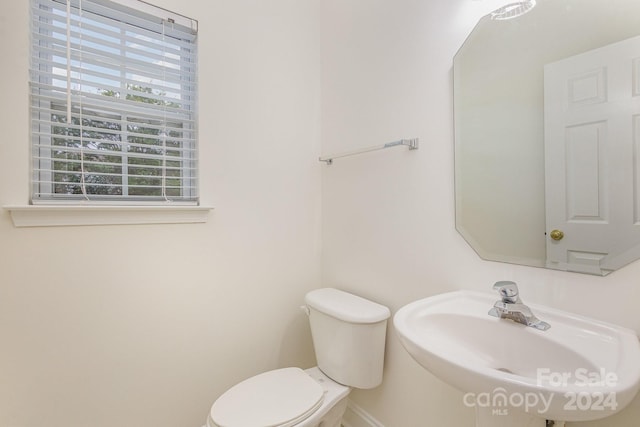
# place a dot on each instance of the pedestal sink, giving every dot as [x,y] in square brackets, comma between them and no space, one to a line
[578,370]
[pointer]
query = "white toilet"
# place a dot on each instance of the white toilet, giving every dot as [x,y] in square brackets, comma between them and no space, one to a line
[348,336]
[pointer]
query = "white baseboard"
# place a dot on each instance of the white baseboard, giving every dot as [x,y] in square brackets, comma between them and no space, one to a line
[355,416]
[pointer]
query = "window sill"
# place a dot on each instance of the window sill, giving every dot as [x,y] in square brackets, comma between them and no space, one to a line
[60,216]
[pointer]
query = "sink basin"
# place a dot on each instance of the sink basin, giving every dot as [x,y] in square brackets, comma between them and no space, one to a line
[578,370]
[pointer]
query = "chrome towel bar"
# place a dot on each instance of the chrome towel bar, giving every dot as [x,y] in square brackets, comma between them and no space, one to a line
[411,143]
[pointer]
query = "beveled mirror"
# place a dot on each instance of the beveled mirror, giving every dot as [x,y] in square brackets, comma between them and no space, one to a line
[547,136]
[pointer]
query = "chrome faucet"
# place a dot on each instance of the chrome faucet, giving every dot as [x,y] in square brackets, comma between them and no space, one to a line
[511,307]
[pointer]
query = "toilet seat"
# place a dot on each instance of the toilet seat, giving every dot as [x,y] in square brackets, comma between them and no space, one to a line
[279,398]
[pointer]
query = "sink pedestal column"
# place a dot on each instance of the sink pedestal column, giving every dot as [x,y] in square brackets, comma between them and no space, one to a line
[506,417]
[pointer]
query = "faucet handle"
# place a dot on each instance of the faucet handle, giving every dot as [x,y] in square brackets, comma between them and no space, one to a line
[508,291]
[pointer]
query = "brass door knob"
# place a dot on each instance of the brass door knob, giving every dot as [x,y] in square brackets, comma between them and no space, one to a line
[556,235]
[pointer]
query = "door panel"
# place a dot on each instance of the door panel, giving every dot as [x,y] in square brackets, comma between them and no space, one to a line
[592,132]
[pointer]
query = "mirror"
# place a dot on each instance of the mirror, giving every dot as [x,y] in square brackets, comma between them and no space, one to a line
[547,136]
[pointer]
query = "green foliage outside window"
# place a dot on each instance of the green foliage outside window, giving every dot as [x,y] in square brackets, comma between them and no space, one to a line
[100,159]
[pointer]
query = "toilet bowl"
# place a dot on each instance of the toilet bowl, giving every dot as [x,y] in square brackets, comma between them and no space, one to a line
[348,337]
[285,398]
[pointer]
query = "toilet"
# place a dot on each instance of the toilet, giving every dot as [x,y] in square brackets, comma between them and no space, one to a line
[348,338]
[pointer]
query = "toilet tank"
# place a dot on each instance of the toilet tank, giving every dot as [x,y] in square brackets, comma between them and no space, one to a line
[348,336]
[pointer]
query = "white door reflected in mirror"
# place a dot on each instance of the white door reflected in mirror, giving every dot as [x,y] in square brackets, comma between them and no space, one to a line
[591,109]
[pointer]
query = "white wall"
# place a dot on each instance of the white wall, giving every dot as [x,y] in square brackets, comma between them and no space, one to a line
[130,326]
[388,217]
[181,312]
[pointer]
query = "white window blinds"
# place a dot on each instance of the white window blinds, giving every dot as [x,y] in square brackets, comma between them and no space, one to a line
[113,102]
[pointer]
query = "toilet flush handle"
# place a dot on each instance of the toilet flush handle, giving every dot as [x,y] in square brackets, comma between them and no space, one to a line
[305,309]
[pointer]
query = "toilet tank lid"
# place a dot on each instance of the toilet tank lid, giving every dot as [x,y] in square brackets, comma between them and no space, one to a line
[345,306]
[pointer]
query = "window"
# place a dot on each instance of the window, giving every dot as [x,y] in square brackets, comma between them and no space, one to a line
[113,103]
